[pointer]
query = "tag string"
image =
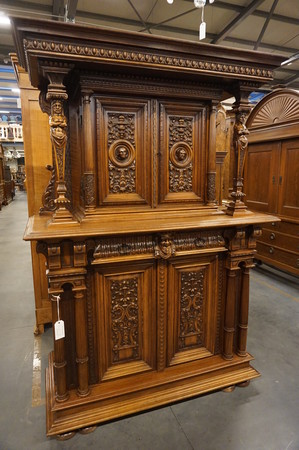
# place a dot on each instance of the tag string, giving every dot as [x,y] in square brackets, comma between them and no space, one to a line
[57,298]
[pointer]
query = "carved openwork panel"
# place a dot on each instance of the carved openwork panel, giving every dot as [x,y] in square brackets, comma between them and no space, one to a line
[182,161]
[123,151]
[127,342]
[192,303]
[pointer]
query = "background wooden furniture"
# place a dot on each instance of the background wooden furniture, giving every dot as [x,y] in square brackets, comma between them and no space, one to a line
[38,154]
[272,176]
[150,278]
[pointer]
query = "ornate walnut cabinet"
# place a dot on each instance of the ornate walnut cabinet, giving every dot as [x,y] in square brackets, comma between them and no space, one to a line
[153,279]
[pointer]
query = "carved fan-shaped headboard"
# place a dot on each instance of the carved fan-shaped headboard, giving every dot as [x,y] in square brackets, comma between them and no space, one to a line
[278,107]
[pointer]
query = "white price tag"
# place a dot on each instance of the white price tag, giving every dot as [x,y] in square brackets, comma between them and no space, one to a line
[202,30]
[59,330]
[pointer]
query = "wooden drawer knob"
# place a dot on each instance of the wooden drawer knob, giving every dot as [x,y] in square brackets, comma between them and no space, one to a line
[272,236]
[271,250]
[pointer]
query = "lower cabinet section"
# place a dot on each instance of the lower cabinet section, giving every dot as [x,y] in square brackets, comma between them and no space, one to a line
[111,400]
[149,320]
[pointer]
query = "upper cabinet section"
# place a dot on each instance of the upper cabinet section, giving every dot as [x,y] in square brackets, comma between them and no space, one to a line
[133,116]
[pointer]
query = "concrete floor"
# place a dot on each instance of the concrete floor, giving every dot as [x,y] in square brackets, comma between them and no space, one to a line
[263,416]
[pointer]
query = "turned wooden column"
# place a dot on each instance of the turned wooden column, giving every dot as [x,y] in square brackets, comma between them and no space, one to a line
[81,342]
[89,163]
[211,173]
[229,317]
[243,312]
[59,356]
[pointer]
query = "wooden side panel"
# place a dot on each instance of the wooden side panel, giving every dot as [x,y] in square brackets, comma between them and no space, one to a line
[262,176]
[38,154]
[192,309]
[182,153]
[124,151]
[126,312]
[289,179]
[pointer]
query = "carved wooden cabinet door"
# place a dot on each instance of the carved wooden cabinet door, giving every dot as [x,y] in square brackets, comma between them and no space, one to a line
[288,201]
[126,319]
[194,303]
[262,176]
[182,164]
[123,151]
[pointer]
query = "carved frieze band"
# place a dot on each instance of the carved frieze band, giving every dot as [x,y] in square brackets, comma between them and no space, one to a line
[121,152]
[164,246]
[180,154]
[191,331]
[146,58]
[125,319]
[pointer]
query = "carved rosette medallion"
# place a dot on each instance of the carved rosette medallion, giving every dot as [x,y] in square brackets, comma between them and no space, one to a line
[124,319]
[180,154]
[191,332]
[122,153]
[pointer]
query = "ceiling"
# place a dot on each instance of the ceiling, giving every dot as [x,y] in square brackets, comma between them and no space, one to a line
[270,26]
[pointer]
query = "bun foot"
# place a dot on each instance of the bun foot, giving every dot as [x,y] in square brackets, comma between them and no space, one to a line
[88,430]
[244,384]
[229,388]
[65,436]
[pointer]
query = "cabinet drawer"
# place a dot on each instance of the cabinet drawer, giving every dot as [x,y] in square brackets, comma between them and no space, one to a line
[277,239]
[281,256]
[284,227]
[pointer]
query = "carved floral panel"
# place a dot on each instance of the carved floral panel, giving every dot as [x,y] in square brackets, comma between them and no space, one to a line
[125,319]
[191,331]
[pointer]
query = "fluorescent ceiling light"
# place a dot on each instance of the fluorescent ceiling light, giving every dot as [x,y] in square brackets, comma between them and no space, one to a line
[289,61]
[17,90]
[4,20]
[4,112]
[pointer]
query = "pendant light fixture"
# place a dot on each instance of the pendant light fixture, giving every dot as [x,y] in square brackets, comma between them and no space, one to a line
[203,25]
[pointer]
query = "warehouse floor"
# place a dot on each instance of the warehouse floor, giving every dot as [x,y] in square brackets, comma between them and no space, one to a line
[263,416]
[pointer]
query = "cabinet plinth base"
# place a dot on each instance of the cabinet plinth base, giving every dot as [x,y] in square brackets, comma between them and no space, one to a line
[110,400]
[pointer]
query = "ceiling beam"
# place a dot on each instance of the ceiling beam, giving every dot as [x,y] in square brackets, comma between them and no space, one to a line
[71,10]
[19,6]
[157,25]
[265,25]
[236,21]
[139,16]
[58,9]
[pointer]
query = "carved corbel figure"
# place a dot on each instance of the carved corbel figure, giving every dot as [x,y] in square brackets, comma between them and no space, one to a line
[240,143]
[165,248]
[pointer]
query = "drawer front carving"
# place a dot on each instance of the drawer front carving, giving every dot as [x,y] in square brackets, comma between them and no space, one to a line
[123,151]
[193,302]
[126,304]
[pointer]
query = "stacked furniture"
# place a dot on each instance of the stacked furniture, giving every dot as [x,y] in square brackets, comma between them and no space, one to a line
[272,176]
[149,278]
